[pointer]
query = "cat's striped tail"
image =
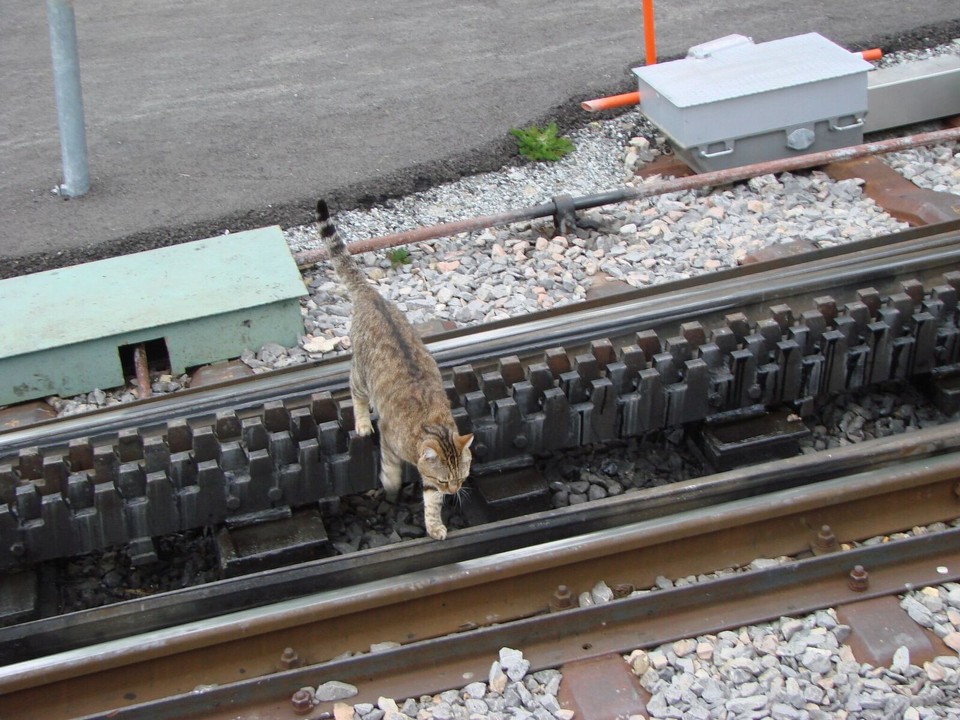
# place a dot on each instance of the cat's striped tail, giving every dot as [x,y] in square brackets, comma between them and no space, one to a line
[340,257]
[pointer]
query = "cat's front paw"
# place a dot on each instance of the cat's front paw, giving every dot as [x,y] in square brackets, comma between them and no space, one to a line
[438,532]
[364,427]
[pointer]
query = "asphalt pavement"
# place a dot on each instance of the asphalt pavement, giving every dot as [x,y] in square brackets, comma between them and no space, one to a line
[204,116]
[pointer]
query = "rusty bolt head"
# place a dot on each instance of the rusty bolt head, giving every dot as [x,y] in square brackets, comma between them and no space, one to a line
[826,542]
[859,579]
[562,598]
[302,701]
[289,659]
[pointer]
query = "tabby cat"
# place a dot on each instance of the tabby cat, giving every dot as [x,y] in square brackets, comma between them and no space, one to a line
[393,370]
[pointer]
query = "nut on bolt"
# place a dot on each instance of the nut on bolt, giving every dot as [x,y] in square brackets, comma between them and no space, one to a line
[562,598]
[826,541]
[290,659]
[859,579]
[302,701]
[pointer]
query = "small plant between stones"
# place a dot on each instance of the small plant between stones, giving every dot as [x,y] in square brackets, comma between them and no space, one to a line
[536,143]
[398,257]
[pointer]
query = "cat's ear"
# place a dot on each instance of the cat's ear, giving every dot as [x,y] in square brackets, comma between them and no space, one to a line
[463,441]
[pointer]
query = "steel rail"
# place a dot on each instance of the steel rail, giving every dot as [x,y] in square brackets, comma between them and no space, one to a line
[498,589]
[865,262]
[37,638]
[550,641]
[876,266]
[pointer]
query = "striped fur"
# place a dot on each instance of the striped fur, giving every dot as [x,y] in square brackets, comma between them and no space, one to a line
[393,371]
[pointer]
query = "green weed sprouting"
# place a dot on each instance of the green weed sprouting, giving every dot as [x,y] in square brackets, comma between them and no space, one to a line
[398,257]
[536,143]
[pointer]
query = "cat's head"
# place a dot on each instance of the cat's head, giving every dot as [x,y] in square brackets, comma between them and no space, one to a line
[443,459]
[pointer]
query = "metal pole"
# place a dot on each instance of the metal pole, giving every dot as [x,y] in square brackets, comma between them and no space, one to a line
[66,87]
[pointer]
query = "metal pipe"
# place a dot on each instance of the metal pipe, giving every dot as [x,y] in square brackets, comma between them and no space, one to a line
[718,177]
[142,370]
[311,257]
[66,86]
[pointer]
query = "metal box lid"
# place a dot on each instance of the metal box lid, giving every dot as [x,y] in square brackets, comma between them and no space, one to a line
[56,308]
[732,87]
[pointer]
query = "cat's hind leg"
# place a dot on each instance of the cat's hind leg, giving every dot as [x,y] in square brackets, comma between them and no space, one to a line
[391,472]
[361,407]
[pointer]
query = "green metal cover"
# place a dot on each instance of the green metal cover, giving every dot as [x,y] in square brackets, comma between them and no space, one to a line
[208,300]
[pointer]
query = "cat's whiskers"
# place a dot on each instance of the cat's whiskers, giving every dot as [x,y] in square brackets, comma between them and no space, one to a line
[462,495]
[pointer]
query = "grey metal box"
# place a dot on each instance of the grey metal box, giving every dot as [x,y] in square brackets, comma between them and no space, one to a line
[731,102]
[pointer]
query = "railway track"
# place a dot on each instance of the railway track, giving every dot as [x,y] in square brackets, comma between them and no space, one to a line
[489,588]
[647,361]
[762,344]
[495,581]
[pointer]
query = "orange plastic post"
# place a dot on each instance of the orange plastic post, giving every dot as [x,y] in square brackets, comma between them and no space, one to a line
[611,101]
[649,34]
[872,54]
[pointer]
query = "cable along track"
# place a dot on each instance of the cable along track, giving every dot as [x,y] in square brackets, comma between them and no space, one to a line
[637,363]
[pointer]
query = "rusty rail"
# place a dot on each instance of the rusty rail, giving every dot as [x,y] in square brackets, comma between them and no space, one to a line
[70,632]
[240,652]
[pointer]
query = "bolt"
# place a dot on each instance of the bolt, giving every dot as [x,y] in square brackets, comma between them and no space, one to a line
[302,701]
[754,391]
[18,549]
[479,449]
[233,502]
[289,659]
[715,399]
[562,598]
[859,579]
[520,441]
[826,542]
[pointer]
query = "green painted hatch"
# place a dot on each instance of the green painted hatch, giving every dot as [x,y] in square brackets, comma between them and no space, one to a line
[207,300]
